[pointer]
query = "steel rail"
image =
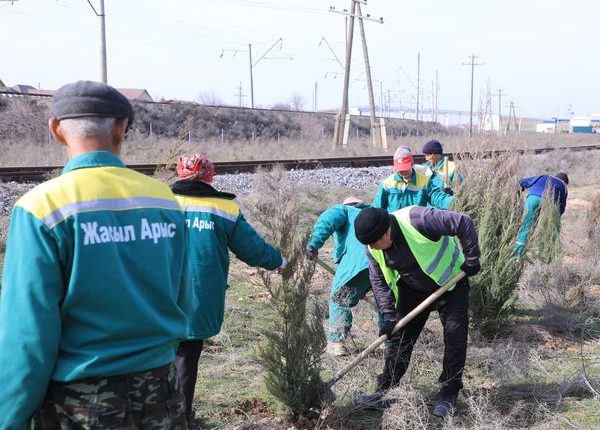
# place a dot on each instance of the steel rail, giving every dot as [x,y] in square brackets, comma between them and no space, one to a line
[39,173]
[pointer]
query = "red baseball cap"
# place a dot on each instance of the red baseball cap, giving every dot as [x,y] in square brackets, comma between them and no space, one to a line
[403,164]
[403,159]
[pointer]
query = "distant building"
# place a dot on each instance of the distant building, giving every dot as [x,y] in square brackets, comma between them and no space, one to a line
[137,94]
[31,91]
[575,124]
[582,124]
[134,94]
[548,126]
[554,125]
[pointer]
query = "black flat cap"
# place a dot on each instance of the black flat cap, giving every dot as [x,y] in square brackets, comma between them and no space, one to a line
[371,224]
[87,98]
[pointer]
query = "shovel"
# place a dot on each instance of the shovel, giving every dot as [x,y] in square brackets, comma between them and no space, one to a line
[327,395]
[325,266]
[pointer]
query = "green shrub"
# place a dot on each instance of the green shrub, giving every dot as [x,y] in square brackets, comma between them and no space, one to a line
[546,235]
[295,339]
[488,193]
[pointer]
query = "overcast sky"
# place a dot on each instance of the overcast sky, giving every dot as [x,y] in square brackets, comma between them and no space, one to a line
[542,53]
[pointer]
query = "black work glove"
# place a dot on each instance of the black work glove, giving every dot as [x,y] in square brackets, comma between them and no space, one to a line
[389,322]
[449,191]
[311,253]
[470,270]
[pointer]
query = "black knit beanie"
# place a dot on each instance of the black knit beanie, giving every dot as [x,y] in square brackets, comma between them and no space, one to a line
[371,224]
[432,147]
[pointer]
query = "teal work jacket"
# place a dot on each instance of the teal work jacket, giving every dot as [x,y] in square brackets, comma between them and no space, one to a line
[424,189]
[216,225]
[440,170]
[348,253]
[94,281]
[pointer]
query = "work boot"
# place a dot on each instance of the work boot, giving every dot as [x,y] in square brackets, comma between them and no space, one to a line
[372,401]
[445,405]
[337,349]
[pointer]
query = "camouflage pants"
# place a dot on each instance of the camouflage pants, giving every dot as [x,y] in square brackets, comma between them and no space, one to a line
[144,400]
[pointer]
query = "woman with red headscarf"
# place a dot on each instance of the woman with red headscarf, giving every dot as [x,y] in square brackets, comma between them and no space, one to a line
[215,227]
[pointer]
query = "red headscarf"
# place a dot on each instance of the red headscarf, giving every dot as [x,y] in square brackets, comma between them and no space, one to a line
[196,166]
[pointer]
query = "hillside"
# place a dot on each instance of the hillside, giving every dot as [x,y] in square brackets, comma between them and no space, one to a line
[26,118]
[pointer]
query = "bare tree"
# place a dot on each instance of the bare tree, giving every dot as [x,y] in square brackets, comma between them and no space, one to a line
[296,101]
[209,98]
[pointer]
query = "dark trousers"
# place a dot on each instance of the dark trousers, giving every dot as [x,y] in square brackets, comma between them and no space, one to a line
[186,363]
[453,308]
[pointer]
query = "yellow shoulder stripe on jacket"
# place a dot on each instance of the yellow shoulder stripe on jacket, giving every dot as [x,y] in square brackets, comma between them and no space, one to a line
[93,189]
[422,179]
[389,182]
[224,208]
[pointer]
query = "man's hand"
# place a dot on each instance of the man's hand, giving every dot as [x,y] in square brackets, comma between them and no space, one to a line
[470,270]
[389,322]
[311,253]
[281,268]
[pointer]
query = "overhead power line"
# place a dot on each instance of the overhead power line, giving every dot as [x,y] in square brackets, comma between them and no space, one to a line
[101,15]
[472,64]
[332,51]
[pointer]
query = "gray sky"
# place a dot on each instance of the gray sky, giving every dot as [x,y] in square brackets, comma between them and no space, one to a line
[542,53]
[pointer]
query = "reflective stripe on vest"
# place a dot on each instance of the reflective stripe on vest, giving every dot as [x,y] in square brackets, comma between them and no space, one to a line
[440,260]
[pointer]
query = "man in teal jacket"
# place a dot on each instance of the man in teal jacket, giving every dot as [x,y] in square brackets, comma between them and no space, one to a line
[216,226]
[351,280]
[444,168]
[95,295]
[410,185]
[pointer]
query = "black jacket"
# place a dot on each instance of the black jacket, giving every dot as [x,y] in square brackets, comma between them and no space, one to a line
[431,223]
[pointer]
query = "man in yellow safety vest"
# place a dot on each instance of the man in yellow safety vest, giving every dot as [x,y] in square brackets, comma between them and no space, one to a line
[411,253]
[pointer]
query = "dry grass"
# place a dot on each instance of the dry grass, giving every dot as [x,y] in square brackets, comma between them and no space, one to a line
[533,377]
[593,219]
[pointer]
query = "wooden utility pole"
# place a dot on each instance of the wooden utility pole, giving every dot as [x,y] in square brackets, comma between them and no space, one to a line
[432,116]
[437,97]
[101,15]
[418,86]
[338,129]
[472,64]
[102,43]
[253,64]
[341,118]
[375,128]
[500,112]
[251,76]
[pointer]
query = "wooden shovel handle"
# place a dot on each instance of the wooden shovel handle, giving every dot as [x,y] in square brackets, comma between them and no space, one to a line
[423,305]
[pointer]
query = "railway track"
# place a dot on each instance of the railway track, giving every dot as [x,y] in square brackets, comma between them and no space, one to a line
[40,173]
